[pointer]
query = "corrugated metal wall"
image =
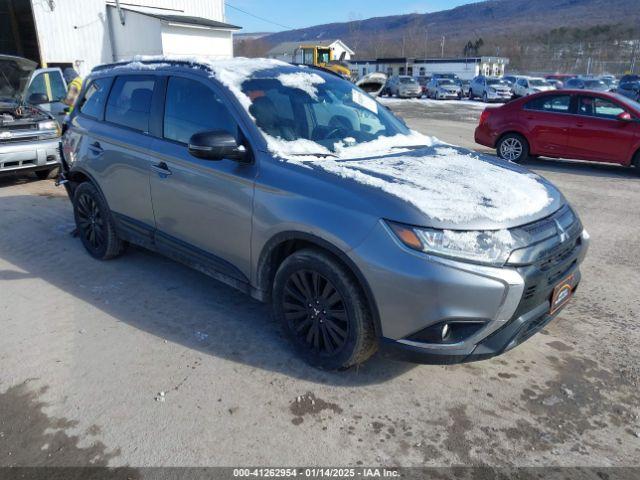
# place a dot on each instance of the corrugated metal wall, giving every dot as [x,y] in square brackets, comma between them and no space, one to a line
[76,31]
[212,9]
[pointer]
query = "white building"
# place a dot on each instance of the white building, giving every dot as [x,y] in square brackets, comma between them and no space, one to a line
[292,52]
[465,68]
[86,33]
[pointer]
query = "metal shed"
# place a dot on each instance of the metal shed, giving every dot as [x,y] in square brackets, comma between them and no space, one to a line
[86,33]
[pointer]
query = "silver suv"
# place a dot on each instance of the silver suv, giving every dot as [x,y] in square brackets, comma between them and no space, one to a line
[490,89]
[403,86]
[30,101]
[299,189]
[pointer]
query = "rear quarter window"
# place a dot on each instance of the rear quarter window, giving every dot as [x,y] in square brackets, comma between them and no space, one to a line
[95,98]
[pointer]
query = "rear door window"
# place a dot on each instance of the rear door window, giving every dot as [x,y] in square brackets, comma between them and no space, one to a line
[552,104]
[129,103]
[191,107]
[95,98]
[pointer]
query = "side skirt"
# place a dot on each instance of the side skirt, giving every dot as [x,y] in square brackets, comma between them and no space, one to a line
[141,234]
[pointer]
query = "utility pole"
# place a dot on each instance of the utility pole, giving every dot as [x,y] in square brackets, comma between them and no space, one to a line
[634,57]
[442,44]
[426,42]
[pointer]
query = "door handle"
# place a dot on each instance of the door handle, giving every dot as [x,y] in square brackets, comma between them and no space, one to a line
[579,125]
[96,149]
[161,169]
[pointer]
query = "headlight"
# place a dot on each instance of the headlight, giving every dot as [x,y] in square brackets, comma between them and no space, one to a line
[488,247]
[50,125]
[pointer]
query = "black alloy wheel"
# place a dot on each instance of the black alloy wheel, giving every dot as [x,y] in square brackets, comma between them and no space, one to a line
[323,310]
[96,227]
[91,224]
[315,310]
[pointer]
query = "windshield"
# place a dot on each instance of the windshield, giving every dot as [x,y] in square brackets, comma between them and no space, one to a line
[407,80]
[322,109]
[538,82]
[627,101]
[594,84]
[496,81]
[13,80]
[446,81]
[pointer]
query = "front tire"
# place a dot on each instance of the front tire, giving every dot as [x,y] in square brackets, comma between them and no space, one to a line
[636,163]
[513,148]
[323,311]
[95,224]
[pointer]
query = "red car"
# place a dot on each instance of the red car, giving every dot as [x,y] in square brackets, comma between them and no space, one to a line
[577,124]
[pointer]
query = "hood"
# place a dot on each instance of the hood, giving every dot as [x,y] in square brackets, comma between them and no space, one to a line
[447,187]
[14,76]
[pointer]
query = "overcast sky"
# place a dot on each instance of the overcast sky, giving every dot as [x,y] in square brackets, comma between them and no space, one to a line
[306,13]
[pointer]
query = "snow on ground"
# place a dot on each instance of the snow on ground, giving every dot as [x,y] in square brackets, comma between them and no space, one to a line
[429,102]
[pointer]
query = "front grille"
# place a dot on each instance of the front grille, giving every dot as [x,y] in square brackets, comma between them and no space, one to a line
[548,259]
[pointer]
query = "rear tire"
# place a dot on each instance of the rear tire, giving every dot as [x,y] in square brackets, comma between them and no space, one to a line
[95,224]
[513,148]
[636,163]
[323,311]
[471,97]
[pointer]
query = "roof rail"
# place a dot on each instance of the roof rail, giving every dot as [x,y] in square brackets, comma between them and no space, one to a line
[109,66]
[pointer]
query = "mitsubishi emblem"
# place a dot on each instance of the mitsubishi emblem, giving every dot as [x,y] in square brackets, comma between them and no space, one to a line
[561,232]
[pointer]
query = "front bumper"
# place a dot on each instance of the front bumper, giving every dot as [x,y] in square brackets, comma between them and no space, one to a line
[415,292]
[499,97]
[410,93]
[448,95]
[17,158]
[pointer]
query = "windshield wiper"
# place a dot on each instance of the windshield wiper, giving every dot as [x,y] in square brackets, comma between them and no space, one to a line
[321,155]
[412,147]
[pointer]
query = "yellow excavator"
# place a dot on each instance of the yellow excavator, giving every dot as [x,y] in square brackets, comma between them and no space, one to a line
[322,57]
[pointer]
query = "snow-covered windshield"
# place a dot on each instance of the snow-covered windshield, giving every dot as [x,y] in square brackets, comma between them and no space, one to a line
[294,106]
[496,81]
[408,80]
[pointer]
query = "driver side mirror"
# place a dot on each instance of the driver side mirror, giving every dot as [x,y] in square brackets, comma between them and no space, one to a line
[625,117]
[37,99]
[217,145]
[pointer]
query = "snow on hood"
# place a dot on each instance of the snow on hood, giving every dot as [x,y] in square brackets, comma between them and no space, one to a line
[448,184]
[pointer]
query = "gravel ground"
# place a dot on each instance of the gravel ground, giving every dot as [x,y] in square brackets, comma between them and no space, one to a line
[143,362]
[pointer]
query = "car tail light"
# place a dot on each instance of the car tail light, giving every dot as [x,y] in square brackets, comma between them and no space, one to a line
[485,116]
